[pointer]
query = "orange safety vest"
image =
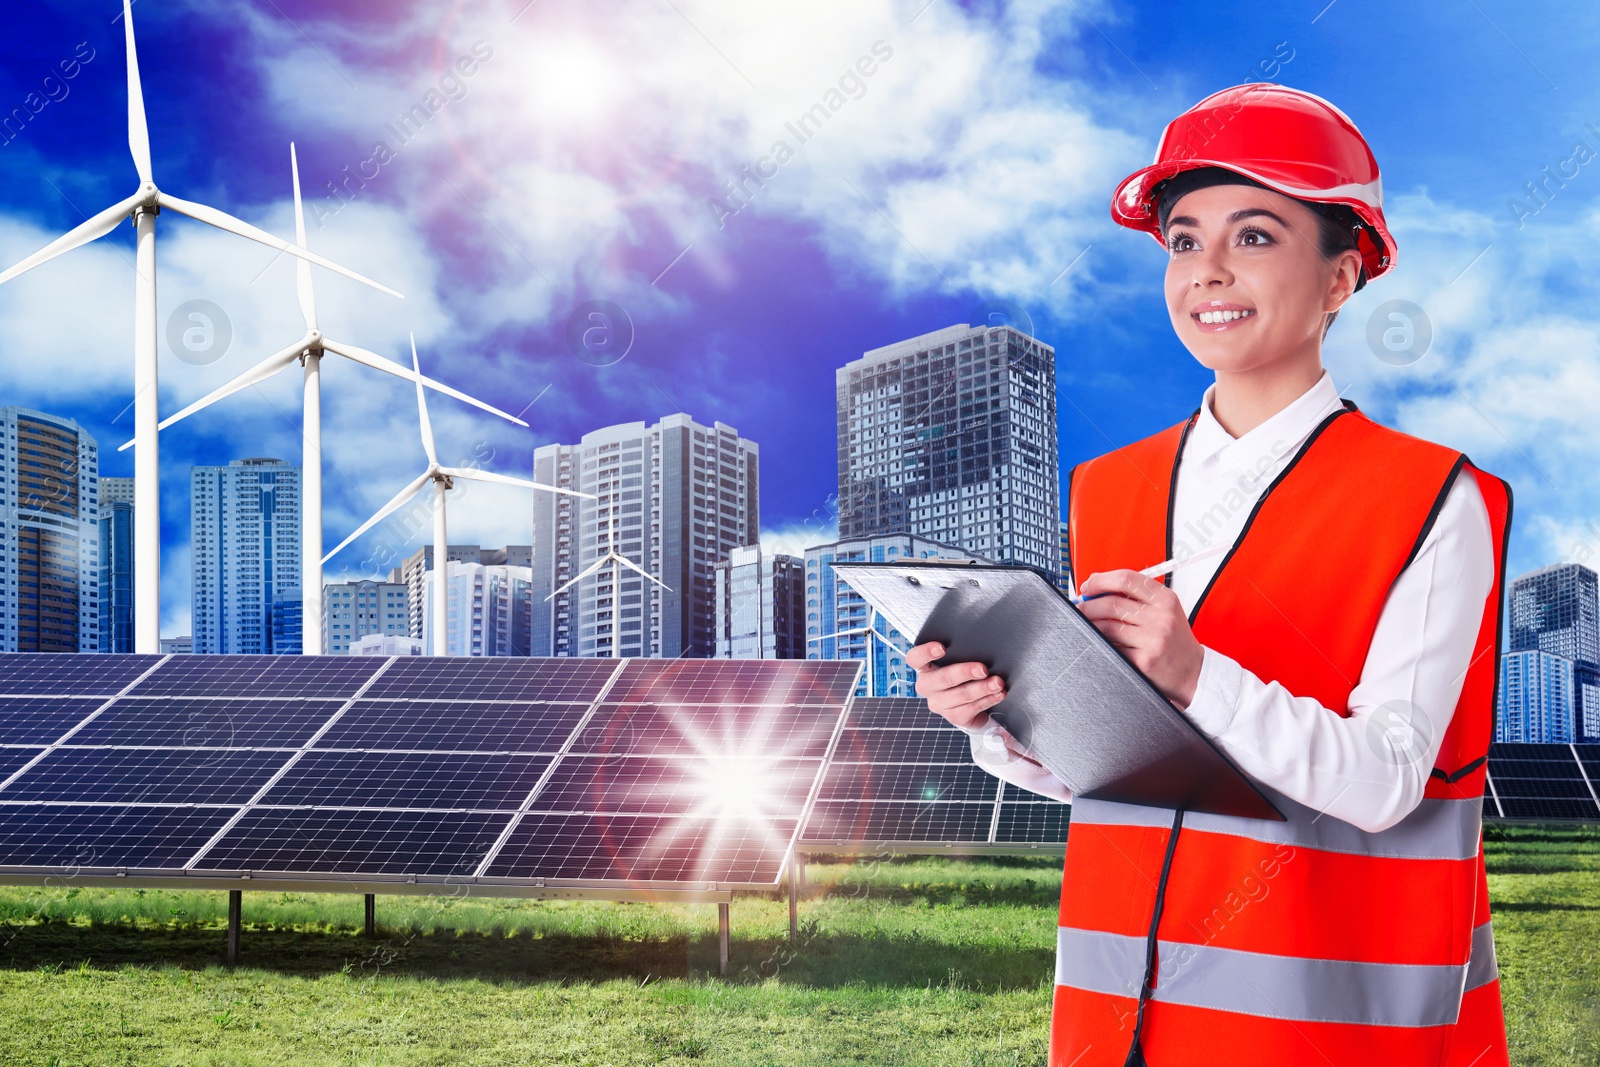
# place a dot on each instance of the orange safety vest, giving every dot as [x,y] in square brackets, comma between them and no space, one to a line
[1257,943]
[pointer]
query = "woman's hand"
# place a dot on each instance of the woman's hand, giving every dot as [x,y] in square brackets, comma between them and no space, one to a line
[961,692]
[1144,619]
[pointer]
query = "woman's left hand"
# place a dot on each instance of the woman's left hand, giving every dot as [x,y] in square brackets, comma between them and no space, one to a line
[1144,619]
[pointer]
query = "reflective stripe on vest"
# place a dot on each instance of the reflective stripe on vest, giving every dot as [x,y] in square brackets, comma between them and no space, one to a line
[1437,830]
[1290,988]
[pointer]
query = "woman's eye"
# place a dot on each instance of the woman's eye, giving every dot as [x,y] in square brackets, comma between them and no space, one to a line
[1244,237]
[1177,244]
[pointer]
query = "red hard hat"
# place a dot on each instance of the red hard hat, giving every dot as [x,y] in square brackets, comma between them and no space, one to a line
[1291,141]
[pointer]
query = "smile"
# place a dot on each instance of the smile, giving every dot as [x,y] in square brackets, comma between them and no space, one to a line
[1216,319]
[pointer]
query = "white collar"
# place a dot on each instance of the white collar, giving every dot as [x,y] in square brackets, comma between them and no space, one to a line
[1279,435]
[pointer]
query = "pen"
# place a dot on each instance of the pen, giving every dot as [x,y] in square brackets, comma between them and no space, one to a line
[1165,568]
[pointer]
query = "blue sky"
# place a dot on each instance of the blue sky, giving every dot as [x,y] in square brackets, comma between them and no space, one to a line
[582,159]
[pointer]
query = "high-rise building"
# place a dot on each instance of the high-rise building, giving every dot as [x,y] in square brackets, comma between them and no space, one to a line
[1556,609]
[116,575]
[116,491]
[832,607]
[415,568]
[952,436]
[683,496]
[245,532]
[387,645]
[760,605]
[1536,698]
[49,534]
[489,608]
[352,610]
[177,646]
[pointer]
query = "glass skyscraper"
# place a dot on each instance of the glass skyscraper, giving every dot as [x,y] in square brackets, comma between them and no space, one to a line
[49,534]
[116,576]
[952,436]
[683,496]
[1536,698]
[245,531]
[1556,610]
[832,607]
[760,605]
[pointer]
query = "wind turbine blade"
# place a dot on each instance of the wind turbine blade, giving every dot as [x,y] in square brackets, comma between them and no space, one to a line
[302,269]
[635,567]
[224,221]
[255,375]
[590,569]
[81,234]
[389,366]
[473,474]
[138,129]
[422,405]
[382,513]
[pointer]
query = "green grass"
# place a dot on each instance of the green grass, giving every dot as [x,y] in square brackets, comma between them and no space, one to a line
[922,962]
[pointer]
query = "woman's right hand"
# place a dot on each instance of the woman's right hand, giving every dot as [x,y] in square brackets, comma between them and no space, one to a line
[961,692]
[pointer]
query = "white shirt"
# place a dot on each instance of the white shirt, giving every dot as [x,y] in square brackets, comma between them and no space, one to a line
[1368,769]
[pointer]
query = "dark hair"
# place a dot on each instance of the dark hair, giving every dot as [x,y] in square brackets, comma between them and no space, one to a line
[1338,227]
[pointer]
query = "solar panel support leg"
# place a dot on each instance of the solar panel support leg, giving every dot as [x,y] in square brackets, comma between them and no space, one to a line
[794,899]
[800,869]
[235,907]
[722,938]
[372,915]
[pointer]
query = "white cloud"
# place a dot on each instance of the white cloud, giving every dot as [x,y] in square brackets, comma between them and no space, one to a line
[1512,377]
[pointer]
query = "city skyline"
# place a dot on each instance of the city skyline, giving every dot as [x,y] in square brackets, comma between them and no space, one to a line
[865,238]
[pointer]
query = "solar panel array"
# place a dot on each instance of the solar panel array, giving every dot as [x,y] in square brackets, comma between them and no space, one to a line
[545,772]
[1542,781]
[903,778]
[519,772]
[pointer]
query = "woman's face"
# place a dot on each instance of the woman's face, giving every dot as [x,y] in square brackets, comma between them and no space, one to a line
[1252,255]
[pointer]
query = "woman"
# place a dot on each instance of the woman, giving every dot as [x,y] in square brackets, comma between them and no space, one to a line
[1343,651]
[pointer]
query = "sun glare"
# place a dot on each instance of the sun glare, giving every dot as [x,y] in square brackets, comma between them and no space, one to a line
[571,82]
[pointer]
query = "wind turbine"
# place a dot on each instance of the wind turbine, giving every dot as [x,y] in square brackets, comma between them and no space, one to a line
[616,560]
[143,206]
[870,628]
[308,351]
[443,479]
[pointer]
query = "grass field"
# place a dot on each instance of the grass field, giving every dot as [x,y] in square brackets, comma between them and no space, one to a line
[909,961]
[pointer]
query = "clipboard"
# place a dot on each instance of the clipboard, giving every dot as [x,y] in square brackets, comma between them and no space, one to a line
[1072,697]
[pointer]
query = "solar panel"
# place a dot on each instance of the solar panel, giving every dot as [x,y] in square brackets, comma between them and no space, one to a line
[356,842]
[1033,822]
[206,722]
[711,788]
[42,721]
[644,848]
[572,681]
[928,782]
[51,673]
[680,681]
[69,838]
[449,725]
[899,822]
[907,713]
[901,777]
[407,780]
[146,775]
[13,759]
[689,729]
[1539,781]
[945,744]
[324,677]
